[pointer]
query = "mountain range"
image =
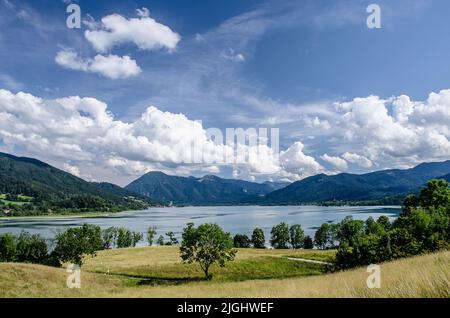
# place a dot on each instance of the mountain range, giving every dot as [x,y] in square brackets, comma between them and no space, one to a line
[380,187]
[208,190]
[54,189]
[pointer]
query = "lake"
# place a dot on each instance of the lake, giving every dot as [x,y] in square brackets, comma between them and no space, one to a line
[234,219]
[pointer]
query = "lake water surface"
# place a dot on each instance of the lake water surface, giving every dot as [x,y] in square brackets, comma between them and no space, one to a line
[234,219]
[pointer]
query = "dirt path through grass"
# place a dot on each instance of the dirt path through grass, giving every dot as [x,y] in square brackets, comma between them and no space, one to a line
[308,261]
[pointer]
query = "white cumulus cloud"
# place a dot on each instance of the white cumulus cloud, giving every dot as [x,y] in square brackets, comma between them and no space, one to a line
[143,31]
[337,162]
[111,66]
[397,130]
[71,169]
[296,162]
[357,159]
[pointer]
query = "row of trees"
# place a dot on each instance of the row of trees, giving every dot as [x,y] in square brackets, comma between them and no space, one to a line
[71,245]
[331,235]
[205,245]
[327,236]
[151,233]
[68,205]
[281,236]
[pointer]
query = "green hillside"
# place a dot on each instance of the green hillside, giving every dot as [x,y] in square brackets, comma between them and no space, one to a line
[380,187]
[54,191]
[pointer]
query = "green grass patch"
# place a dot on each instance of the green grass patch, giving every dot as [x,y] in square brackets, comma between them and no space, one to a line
[239,270]
[6,202]
[161,265]
[25,197]
[21,200]
[317,255]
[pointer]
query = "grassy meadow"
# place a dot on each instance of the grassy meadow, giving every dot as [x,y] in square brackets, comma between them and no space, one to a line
[158,272]
[161,265]
[21,199]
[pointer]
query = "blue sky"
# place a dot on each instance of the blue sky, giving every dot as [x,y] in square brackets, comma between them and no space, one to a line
[295,65]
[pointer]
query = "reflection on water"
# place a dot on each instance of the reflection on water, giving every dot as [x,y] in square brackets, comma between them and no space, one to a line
[235,219]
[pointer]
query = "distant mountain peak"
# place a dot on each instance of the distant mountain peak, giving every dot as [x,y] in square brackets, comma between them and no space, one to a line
[209,189]
[156,173]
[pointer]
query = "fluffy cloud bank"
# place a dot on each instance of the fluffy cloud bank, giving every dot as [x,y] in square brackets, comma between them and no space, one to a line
[79,132]
[143,31]
[369,133]
[396,131]
[111,66]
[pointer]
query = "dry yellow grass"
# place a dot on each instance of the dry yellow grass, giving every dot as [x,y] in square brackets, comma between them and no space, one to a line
[30,280]
[420,276]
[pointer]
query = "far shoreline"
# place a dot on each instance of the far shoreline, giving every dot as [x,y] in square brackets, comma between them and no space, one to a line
[62,216]
[79,215]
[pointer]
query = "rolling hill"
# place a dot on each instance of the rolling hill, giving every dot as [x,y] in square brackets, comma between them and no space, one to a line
[387,186]
[208,190]
[55,189]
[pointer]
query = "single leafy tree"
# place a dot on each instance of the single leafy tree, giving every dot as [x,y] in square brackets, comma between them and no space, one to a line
[241,241]
[308,242]
[31,248]
[321,237]
[279,236]
[109,237]
[297,236]
[151,232]
[384,221]
[74,243]
[136,237]
[258,238]
[124,238]
[206,245]
[326,236]
[8,247]
[160,240]
[350,230]
[435,195]
[172,239]
[373,227]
